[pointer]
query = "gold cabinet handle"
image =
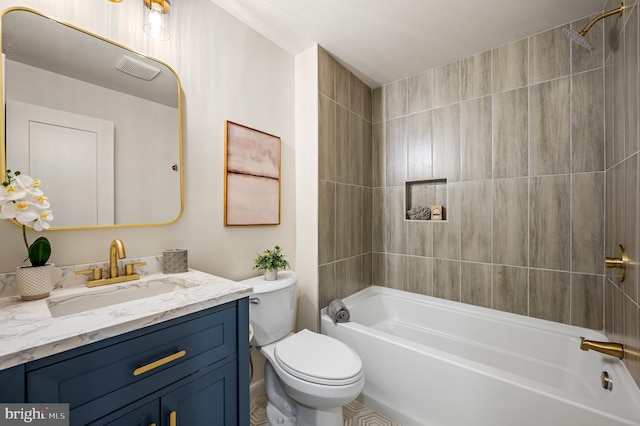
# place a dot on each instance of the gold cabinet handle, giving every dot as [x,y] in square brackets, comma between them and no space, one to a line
[155,364]
[152,424]
[173,418]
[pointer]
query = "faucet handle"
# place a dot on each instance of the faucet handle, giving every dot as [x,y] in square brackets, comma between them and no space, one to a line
[96,273]
[618,262]
[128,268]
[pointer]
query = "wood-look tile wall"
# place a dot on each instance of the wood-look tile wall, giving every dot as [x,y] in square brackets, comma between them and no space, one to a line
[539,142]
[345,181]
[518,132]
[621,300]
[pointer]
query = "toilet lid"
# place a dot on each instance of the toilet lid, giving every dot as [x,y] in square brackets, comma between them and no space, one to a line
[318,359]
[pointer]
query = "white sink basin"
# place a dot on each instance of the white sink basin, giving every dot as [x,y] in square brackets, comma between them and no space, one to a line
[114,294]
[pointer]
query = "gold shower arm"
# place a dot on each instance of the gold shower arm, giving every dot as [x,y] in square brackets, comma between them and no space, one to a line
[599,17]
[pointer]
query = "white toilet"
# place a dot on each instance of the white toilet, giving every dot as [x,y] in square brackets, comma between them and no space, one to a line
[308,376]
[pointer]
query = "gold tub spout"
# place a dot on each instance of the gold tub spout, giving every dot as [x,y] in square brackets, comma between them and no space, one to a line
[607,348]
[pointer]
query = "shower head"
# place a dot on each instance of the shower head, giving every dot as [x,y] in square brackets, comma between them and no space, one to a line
[579,37]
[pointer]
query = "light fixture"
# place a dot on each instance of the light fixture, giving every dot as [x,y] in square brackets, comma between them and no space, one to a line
[156,18]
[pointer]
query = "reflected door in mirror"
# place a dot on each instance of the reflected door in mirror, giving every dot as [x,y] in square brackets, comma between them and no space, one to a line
[71,154]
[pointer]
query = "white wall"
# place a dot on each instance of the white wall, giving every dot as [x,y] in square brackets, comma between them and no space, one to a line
[307,187]
[228,72]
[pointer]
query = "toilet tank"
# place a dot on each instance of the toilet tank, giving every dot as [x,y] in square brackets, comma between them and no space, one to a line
[272,307]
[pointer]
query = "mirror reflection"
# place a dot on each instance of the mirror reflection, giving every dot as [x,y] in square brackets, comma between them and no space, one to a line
[97,123]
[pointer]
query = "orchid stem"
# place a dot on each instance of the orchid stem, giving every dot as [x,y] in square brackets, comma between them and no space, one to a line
[24,236]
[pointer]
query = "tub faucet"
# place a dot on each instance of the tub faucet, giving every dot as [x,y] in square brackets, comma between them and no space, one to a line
[607,348]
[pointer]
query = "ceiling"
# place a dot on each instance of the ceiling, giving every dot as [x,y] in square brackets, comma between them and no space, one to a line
[385,40]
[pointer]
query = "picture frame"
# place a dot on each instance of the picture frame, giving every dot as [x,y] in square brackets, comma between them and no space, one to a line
[251,176]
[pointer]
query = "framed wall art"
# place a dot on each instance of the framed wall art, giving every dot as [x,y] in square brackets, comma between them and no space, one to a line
[252,177]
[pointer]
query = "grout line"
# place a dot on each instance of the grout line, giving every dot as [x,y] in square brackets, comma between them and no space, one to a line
[528,248]
[571,108]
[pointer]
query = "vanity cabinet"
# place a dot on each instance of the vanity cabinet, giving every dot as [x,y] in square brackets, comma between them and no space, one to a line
[148,414]
[191,370]
[206,400]
[12,385]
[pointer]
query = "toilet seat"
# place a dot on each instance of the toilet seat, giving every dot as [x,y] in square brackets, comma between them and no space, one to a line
[318,358]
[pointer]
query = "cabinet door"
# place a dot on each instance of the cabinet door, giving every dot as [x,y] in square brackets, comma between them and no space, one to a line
[147,415]
[12,385]
[210,400]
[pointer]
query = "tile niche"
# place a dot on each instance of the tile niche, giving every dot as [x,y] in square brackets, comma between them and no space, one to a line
[422,194]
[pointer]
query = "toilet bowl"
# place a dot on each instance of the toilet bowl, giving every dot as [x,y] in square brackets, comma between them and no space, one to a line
[308,376]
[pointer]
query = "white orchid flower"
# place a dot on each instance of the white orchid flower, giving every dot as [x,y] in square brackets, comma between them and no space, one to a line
[6,211]
[29,185]
[12,192]
[42,220]
[27,217]
[41,202]
[22,199]
[10,209]
[21,211]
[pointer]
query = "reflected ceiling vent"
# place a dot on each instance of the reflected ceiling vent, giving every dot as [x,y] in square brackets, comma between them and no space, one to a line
[137,68]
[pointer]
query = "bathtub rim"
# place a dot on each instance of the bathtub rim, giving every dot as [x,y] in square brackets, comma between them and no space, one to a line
[511,317]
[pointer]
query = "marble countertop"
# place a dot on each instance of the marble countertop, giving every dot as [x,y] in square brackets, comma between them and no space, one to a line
[28,331]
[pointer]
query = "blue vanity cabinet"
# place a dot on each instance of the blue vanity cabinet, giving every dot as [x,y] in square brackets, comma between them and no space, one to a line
[207,400]
[146,415]
[12,386]
[195,366]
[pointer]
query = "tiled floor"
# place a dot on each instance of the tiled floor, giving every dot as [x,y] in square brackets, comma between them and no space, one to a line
[355,414]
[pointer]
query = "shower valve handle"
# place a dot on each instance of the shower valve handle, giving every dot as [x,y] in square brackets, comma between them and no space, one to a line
[618,262]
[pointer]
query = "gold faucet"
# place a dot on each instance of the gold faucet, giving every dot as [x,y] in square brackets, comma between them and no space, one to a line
[607,348]
[116,251]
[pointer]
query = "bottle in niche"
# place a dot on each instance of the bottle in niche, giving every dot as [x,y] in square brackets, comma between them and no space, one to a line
[437,212]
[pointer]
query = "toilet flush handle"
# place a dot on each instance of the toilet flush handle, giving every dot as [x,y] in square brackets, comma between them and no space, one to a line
[254,301]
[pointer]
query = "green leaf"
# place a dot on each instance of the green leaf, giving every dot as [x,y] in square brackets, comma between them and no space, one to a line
[39,251]
[271,259]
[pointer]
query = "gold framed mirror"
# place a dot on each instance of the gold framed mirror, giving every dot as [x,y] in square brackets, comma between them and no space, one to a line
[99,124]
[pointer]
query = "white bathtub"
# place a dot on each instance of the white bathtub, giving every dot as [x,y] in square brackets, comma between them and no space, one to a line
[430,361]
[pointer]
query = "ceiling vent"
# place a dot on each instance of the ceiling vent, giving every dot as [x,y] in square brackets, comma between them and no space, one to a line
[137,68]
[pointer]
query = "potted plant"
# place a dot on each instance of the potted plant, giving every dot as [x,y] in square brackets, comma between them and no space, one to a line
[270,261]
[22,200]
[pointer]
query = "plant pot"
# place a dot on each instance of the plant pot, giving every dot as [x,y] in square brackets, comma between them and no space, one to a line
[34,282]
[270,275]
